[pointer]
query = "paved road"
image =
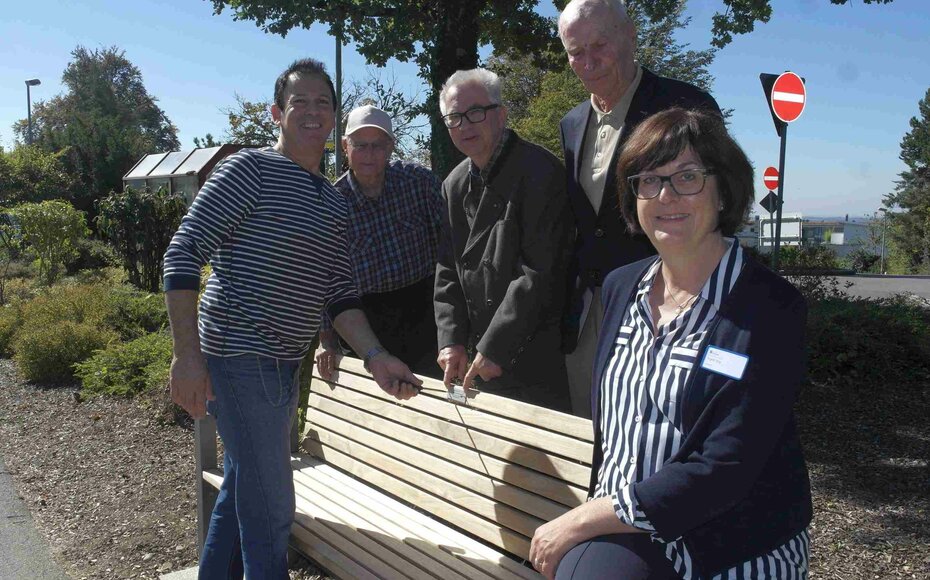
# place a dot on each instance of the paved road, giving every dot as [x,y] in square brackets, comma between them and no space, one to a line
[24,555]
[884,286]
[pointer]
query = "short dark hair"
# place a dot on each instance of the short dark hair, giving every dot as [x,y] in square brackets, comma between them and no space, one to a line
[303,66]
[664,136]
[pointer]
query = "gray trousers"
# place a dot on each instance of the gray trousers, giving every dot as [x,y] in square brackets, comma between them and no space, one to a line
[580,362]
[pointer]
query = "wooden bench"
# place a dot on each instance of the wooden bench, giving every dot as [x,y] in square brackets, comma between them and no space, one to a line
[423,488]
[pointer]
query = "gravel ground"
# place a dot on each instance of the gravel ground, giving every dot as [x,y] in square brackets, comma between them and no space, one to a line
[110,484]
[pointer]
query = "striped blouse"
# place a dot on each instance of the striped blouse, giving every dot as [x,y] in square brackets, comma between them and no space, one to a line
[275,236]
[641,416]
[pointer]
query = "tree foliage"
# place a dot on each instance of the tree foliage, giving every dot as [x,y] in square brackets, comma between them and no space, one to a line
[29,174]
[442,37]
[910,229]
[250,122]
[538,103]
[206,141]
[138,224]
[51,230]
[103,124]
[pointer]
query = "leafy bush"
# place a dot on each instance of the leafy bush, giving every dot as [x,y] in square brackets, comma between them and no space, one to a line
[10,321]
[91,255]
[862,260]
[869,342]
[51,229]
[134,313]
[127,369]
[47,353]
[79,303]
[138,224]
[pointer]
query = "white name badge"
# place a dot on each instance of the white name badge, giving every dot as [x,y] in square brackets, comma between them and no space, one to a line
[724,362]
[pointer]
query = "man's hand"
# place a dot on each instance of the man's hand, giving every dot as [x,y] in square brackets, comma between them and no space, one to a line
[327,358]
[393,376]
[190,384]
[482,367]
[453,360]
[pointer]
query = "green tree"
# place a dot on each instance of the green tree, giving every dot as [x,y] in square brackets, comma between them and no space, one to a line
[29,174]
[103,123]
[537,107]
[910,226]
[51,230]
[206,141]
[138,224]
[250,122]
[443,36]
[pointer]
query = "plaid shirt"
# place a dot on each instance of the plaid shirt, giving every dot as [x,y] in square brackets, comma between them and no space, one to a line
[393,239]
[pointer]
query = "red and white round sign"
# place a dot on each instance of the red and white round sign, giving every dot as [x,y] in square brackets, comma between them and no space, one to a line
[770,178]
[788,97]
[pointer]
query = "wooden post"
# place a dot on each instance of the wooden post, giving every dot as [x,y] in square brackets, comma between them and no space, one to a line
[205,458]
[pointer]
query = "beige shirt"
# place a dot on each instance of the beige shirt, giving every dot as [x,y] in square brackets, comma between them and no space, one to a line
[602,136]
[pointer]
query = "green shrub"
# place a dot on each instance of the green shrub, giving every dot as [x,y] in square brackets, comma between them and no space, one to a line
[139,224]
[869,342]
[134,313]
[127,369]
[51,229]
[10,321]
[48,352]
[91,255]
[79,303]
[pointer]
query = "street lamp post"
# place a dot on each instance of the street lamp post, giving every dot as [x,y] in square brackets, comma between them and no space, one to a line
[29,83]
[881,268]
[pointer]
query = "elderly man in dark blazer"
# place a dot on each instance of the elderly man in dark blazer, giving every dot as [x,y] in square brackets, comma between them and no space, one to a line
[600,40]
[499,283]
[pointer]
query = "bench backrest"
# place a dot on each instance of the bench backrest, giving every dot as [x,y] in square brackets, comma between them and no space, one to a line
[495,468]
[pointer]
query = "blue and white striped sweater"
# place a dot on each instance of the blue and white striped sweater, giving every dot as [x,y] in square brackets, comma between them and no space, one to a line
[275,236]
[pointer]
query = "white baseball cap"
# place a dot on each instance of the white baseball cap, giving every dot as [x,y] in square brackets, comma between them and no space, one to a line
[369,116]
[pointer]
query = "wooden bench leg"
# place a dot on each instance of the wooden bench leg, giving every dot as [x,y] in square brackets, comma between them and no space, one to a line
[205,457]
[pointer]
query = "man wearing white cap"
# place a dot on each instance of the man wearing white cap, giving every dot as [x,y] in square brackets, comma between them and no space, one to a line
[393,232]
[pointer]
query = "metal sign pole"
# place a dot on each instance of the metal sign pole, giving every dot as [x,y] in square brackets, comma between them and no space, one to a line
[781,196]
[337,141]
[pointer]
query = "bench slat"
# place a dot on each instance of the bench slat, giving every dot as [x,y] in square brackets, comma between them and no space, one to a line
[489,531]
[396,524]
[463,452]
[460,497]
[401,444]
[549,441]
[323,545]
[560,469]
[462,546]
[381,544]
[538,416]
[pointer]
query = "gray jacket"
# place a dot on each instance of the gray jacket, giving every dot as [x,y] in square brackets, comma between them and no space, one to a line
[500,282]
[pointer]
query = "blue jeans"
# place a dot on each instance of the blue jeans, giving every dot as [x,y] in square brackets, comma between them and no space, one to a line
[256,399]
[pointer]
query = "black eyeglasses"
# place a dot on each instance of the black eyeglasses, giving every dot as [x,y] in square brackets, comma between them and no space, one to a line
[686,182]
[474,115]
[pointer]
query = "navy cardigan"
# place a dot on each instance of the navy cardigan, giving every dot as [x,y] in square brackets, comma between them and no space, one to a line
[738,486]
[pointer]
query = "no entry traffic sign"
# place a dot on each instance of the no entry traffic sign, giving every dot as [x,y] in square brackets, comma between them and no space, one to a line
[788,97]
[770,178]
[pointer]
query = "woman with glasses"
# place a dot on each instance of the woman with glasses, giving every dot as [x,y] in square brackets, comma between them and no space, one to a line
[697,469]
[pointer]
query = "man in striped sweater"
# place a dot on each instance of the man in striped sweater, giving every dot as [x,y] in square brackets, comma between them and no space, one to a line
[273,230]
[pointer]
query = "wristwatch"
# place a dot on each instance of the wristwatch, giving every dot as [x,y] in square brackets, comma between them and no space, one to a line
[372,353]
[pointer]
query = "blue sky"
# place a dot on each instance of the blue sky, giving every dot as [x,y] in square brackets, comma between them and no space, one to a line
[866,68]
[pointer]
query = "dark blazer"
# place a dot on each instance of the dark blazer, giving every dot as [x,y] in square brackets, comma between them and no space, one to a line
[499,283]
[602,242]
[738,486]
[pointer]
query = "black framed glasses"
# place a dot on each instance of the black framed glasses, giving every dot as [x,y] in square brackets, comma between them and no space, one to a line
[685,182]
[474,115]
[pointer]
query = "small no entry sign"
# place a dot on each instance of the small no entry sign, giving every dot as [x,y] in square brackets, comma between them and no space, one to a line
[788,97]
[770,178]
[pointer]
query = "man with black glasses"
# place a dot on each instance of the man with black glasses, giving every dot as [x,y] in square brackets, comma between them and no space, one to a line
[502,261]
[395,211]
